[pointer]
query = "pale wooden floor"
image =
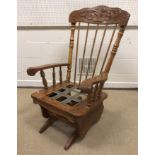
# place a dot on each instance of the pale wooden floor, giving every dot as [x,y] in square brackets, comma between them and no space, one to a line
[114,134]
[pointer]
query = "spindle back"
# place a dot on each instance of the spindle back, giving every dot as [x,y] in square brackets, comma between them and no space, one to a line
[100,18]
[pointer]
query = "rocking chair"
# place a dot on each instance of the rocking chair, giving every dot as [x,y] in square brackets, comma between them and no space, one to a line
[78,99]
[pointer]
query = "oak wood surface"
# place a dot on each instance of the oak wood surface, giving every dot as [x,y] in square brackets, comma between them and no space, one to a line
[100,15]
[80,105]
[33,70]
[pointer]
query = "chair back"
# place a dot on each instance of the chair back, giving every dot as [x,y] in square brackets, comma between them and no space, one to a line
[96,30]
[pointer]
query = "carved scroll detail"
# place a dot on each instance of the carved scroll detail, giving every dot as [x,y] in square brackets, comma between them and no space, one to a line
[100,15]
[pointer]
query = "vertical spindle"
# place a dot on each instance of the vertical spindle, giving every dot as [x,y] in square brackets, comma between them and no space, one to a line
[77,47]
[113,33]
[44,79]
[114,49]
[100,87]
[95,91]
[99,51]
[60,75]
[84,53]
[54,76]
[90,59]
[71,45]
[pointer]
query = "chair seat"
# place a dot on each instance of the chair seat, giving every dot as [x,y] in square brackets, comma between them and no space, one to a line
[64,97]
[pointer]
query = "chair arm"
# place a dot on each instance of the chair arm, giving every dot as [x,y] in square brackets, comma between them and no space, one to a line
[86,85]
[33,70]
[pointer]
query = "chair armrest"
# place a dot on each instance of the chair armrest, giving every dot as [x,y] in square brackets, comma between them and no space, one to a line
[33,70]
[86,85]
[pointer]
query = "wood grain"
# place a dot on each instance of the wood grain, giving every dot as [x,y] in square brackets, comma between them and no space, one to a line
[100,15]
[79,113]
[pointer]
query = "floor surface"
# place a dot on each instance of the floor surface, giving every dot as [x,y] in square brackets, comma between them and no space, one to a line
[114,134]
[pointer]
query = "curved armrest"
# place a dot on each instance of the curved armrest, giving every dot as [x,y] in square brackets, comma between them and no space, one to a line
[86,85]
[33,70]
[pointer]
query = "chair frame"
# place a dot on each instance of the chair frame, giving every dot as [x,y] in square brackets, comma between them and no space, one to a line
[85,114]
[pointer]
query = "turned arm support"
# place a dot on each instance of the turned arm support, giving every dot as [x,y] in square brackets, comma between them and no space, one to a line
[93,87]
[86,85]
[33,70]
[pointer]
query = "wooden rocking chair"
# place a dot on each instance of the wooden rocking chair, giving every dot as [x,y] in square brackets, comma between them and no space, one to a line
[79,103]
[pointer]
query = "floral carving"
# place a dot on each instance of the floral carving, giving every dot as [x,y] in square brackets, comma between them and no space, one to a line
[100,15]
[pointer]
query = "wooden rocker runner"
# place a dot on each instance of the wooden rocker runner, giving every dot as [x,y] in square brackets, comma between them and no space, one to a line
[78,99]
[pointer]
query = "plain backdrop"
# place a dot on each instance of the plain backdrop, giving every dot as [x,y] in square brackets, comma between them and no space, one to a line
[8,77]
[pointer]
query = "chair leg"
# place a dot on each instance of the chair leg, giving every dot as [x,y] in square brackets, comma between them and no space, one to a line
[47,124]
[71,140]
